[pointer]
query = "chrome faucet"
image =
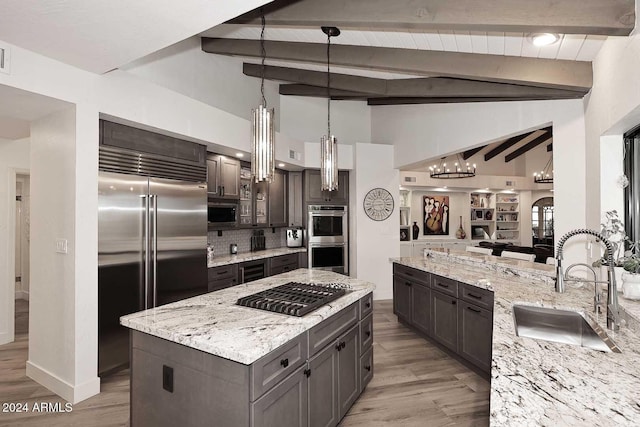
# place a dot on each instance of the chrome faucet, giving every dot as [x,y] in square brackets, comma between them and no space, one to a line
[597,296]
[613,315]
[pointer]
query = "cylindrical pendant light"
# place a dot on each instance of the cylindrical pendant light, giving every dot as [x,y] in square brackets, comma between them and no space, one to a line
[329,143]
[262,132]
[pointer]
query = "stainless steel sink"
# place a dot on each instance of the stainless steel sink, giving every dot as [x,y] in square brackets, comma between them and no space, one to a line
[563,326]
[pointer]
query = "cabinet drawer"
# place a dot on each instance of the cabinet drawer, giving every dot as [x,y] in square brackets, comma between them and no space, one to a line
[444,285]
[216,285]
[480,297]
[282,269]
[366,333]
[275,366]
[281,260]
[330,329]
[223,272]
[283,406]
[366,369]
[411,273]
[366,305]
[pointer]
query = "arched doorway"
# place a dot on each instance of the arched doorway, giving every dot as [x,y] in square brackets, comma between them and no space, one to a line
[542,221]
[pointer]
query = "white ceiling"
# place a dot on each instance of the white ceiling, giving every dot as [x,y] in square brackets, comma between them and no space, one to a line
[20,107]
[100,36]
[572,47]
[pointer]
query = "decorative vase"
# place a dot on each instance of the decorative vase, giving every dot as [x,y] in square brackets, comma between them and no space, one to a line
[631,285]
[460,233]
[416,230]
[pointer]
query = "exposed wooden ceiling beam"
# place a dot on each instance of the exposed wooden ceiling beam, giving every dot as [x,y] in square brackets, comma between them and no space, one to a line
[467,154]
[529,145]
[552,73]
[550,147]
[605,17]
[400,88]
[506,145]
[442,100]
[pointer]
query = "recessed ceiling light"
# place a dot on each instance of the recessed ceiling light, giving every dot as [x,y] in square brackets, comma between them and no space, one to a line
[239,155]
[543,39]
[280,165]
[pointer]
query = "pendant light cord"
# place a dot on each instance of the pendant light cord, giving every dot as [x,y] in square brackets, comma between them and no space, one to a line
[263,52]
[328,87]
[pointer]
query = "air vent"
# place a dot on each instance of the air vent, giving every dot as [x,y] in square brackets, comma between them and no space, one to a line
[510,183]
[5,59]
[294,155]
[409,179]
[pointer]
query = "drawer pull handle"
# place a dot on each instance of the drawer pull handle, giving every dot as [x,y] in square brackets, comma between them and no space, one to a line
[453,302]
[368,333]
[474,296]
[368,368]
[307,373]
[338,346]
[368,305]
[221,272]
[473,309]
[407,283]
[442,285]
[284,363]
[343,344]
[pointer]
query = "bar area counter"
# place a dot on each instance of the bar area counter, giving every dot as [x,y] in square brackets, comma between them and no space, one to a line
[536,382]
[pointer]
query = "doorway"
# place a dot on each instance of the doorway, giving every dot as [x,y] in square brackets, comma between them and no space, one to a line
[21,254]
[542,221]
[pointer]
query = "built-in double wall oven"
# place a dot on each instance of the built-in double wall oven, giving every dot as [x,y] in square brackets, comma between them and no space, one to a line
[328,234]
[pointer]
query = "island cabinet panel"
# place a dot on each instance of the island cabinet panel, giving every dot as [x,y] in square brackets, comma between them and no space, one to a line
[476,296]
[222,277]
[366,333]
[277,365]
[444,311]
[348,370]
[402,298]
[366,305]
[283,406]
[412,274]
[323,388]
[421,308]
[475,326]
[444,285]
[366,369]
[326,332]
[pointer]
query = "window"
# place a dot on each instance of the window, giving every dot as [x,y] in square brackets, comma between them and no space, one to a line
[632,191]
[542,221]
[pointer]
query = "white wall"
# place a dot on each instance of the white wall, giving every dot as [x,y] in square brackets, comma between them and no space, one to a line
[14,157]
[375,241]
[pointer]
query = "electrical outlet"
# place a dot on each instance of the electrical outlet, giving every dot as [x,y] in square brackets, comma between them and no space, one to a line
[62,246]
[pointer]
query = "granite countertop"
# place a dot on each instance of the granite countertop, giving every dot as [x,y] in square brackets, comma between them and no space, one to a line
[536,382]
[214,324]
[219,260]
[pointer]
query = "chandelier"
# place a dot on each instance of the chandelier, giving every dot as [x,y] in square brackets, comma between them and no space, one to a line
[262,131]
[545,176]
[329,143]
[457,170]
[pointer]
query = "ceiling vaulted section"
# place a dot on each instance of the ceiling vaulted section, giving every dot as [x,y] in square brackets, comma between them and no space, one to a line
[430,51]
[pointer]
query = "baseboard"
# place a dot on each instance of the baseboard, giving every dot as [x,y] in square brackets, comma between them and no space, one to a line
[22,295]
[68,392]
[6,338]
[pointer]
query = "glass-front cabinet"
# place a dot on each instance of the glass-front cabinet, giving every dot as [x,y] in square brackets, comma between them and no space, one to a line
[246,203]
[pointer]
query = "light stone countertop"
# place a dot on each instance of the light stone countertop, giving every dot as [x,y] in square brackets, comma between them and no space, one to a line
[220,260]
[541,383]
[214,324]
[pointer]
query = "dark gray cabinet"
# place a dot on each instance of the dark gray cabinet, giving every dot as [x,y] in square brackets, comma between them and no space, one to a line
[315,195]
[402,298]
[252,270]
[277,200]
[296,213]
[334,379]
[475,327]
[260,204]
[223,177]
[222,277]
[282,264]
[285,405]
[444,325]
[421,307]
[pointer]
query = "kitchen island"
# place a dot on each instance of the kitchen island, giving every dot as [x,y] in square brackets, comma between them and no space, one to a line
[536,382]
[207,361]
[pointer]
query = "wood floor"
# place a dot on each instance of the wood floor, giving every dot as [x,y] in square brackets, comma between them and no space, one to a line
[415,384]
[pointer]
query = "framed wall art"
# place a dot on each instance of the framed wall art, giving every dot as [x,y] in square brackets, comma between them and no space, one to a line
[435,215]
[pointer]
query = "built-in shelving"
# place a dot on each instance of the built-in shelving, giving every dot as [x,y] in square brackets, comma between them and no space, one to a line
[508,217]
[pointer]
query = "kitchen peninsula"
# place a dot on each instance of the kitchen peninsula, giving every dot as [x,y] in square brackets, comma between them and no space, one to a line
[207,360]
[536,382]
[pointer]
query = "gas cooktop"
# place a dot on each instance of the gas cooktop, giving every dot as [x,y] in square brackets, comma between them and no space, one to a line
[293,298]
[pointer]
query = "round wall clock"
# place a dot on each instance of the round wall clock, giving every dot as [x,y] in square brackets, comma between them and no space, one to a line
[378,204]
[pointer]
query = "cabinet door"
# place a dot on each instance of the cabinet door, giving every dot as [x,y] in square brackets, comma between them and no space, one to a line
[229,177]
[260,202]
[421,307]
[213,176]
[295,199]
[285,405]
[312,184]
[366,369]
[402,298]
[341,195]
[278,199]
[348,370]
[444,324]
[323,388]
[475,327]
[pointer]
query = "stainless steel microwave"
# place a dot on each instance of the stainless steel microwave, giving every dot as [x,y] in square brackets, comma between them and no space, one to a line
[222,214]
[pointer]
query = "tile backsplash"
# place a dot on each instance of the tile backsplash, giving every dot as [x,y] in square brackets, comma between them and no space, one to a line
[243,239]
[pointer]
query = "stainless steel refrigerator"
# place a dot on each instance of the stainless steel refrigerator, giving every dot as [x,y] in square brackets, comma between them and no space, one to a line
[152,239]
